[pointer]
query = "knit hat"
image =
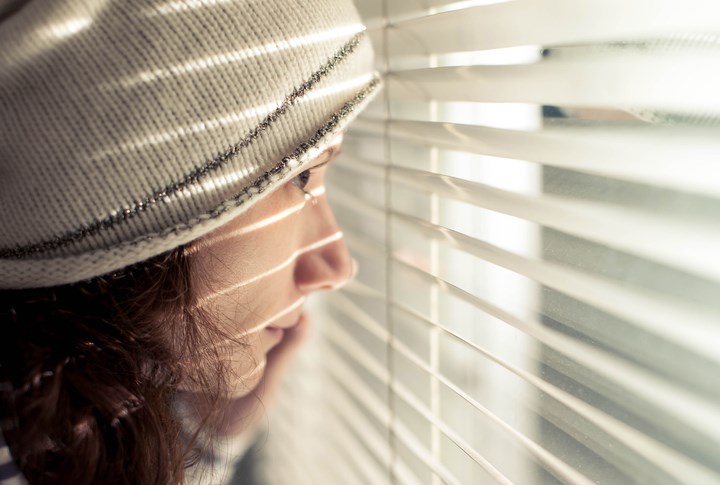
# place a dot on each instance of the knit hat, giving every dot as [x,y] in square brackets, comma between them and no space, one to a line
[130,127]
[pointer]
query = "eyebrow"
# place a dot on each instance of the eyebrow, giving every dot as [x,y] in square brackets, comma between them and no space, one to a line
[319,165]
[330,153]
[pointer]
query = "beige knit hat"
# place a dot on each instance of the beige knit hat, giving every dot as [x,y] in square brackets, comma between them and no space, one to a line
[129,127]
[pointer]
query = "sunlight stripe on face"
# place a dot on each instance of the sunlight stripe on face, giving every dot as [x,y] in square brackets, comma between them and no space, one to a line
[266,323]
[268,221]
[323,242]
[311,247]
[277,217]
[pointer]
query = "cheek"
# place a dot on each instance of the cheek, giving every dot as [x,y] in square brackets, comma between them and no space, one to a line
[251,244]
[242,310]
[242,263]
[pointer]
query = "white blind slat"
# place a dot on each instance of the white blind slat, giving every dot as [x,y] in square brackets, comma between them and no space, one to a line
[633,380]
[672,399]
[347,410]
[671,461]
[674,157]
[643,80]
[352,384]
[547,23]
[677,401]
[358,390]
[655,315]
[686,243]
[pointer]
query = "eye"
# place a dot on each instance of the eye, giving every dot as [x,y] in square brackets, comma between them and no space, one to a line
[301,180]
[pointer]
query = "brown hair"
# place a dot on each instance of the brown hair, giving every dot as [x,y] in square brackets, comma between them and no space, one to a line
[91,371]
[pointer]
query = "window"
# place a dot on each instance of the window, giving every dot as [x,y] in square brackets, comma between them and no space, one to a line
[534,205]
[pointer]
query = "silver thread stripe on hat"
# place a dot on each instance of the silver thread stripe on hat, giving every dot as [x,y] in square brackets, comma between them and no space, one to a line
[274,174]
[196,175]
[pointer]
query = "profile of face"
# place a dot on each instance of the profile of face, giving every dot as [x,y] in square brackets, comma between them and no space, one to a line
[257,270]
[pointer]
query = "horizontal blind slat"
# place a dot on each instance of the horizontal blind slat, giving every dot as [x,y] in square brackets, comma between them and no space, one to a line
[288,474]
[685,406]
[409,440]
[367,467]
[358,390]
[675,157]
[551,462]
[344,340]
[407,396]
[538,22]
[671,462]
[353,202]
[358,288]
[351,310]
[345,305]
[631,378]
[653,314]
[623,400]
[347,409]
[364,246]
[361,318]
[613,371]
[681,243]
[652,81]
[354,418]
[345,442]
[371,169]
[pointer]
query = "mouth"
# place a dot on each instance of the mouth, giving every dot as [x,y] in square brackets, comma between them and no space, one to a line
[278,331]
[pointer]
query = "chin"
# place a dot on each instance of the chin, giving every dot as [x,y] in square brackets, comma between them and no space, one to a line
[247,383]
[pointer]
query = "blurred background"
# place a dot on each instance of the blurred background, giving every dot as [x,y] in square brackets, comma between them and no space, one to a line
[534,202]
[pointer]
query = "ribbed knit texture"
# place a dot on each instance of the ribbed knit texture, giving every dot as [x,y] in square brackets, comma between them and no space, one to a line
[129,127]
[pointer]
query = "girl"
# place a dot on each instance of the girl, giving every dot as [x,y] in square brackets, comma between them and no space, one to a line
[163,220]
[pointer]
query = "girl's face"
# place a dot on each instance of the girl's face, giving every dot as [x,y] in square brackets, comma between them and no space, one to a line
[262,265]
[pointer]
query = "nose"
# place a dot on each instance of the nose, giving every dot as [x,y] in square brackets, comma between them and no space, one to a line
[327,265]
[325,268]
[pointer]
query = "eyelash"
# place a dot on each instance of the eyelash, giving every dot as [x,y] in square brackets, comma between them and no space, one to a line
[302,179]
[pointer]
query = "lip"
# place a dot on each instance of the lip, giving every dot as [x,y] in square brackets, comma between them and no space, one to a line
[278,331]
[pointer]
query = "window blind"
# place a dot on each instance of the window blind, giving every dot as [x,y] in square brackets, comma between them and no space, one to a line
[534,203]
